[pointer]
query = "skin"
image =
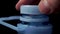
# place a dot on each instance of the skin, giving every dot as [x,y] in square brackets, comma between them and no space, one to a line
[49,7]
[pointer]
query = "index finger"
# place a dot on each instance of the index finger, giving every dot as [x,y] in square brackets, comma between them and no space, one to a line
[26,2]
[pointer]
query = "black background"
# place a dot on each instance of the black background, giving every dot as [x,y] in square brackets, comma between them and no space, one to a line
[7,8]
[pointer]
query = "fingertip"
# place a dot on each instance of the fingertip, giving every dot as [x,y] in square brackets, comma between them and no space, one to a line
[44,8]
[20,2]
[48,6]
[17,6]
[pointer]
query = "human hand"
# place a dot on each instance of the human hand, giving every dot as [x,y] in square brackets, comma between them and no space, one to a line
[45,6]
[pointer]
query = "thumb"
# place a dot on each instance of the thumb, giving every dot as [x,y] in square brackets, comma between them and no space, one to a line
[48,6]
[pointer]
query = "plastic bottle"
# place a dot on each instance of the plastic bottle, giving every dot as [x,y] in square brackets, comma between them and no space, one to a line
[33,22]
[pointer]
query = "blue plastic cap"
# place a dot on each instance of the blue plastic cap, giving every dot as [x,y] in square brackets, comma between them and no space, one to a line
[30,9]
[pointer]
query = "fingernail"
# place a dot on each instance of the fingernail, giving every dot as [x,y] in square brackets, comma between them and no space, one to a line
[46,4]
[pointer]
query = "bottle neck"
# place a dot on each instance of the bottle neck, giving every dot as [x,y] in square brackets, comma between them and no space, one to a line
[42,20]
[34,23]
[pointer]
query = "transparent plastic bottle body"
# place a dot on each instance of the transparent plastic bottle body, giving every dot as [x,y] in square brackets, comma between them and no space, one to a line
[33,22]
[28,29]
